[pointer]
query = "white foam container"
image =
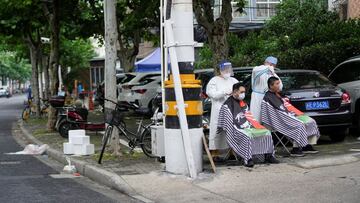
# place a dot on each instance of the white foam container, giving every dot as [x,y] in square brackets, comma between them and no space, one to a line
[79,139]
[68,148]
[76,133]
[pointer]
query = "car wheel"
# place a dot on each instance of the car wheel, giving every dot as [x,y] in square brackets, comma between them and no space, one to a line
[339,135]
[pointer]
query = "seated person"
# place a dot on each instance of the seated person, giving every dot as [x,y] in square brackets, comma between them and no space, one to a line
[277,113]
[244,134]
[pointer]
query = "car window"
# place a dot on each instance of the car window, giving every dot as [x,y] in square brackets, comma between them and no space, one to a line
[305,80]
[147,79]
[242,76]
[346,72]
[127,78]
[205,77]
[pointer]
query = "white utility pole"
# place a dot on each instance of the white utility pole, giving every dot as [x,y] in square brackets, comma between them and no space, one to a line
[110,62]
[183,127]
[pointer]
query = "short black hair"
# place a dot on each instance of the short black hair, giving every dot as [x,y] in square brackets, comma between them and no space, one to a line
[237,86]
[271,81]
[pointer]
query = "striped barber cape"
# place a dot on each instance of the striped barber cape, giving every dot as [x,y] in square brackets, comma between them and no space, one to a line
[243,133]
[278,114]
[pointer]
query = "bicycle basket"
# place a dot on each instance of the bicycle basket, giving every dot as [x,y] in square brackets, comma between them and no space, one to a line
[112,116]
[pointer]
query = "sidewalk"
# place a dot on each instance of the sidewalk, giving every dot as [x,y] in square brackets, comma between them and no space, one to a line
[146,180]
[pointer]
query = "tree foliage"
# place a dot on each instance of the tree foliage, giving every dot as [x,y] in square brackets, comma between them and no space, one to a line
[216,28]
[303,35]
[137,20]
[14,67]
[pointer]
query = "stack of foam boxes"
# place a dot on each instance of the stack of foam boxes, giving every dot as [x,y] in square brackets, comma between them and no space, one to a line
[79,143]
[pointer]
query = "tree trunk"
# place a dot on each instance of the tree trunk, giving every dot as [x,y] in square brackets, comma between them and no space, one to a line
[127,60]
[216,30]
[40,72]
[34,78]
[46,77]
[54,22]
[110,64]
[220,48]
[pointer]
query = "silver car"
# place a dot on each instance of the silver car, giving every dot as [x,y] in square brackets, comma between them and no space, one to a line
[347,76]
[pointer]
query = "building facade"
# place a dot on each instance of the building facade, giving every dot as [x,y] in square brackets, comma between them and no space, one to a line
[256,12]
[347,9]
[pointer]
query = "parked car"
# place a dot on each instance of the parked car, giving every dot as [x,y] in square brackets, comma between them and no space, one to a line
[140,90]
[122,78]
[144,94]
[4,91]
[347,76]
[318,97]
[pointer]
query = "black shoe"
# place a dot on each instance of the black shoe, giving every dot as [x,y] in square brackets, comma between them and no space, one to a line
[250,163]
[269,158]
[308,149]
[296,152]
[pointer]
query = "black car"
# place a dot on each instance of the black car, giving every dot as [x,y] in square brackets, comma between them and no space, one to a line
[316,96]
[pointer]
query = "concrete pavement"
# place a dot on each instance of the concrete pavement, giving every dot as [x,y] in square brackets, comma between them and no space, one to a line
[314,178]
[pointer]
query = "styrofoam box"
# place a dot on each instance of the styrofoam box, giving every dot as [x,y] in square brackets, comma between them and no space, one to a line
[86,149]
[76,133]
[68,148]
[79,140]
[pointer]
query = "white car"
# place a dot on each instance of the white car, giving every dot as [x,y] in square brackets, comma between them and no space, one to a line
[4,91]
[347,76]
[140,90]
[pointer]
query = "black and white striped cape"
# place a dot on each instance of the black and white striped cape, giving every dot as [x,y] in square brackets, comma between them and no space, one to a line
[276,116]
[243,144]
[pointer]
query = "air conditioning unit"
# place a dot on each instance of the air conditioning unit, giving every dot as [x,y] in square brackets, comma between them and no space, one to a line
[157,141]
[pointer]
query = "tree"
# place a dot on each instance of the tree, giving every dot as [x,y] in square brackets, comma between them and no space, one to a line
[26,26]
[216,29]
[137,20]
[14,67]
[302,35]
[76,54]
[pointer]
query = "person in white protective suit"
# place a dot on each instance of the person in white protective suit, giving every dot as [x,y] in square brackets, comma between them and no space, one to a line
[259,78]
[219,89]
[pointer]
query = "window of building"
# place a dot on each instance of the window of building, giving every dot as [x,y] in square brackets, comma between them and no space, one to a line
[97,75]
[266,8]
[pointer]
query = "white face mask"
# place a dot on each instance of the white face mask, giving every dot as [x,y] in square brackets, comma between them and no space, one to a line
[242,96]
[226,75]
[272,69]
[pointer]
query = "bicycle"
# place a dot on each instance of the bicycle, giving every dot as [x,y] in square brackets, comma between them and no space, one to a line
[142,137]
[30,109]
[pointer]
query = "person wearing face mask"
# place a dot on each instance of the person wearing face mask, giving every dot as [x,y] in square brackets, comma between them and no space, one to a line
[278,114]
[259,78]
[219,89]
[246,137]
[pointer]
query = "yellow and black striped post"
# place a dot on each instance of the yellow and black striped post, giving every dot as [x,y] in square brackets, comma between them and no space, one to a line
[191,90]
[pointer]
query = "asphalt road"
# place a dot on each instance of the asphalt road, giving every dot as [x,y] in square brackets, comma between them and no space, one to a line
[25,178]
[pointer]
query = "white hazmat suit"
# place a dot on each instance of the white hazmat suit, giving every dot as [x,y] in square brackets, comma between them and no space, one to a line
[259,78]
[218,89]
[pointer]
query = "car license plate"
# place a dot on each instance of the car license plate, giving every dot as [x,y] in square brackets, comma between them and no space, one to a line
[317,105]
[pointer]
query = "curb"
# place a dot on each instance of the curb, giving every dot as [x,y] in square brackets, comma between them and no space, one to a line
[327,161]
[90,171]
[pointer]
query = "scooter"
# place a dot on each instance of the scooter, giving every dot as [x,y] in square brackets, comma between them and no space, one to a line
[73,120]
[76,118]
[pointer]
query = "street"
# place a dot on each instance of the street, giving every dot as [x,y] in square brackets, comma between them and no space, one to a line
[25,178]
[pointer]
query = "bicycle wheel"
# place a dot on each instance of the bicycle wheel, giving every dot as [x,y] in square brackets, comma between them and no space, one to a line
[145,142]
[107,135]
[25,114]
